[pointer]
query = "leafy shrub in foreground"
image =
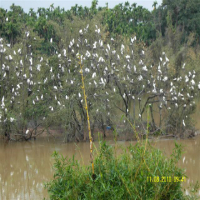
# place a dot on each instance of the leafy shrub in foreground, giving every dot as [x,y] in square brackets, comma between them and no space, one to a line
[118,177]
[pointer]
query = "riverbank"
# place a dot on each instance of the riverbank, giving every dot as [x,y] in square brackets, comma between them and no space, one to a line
[121,135]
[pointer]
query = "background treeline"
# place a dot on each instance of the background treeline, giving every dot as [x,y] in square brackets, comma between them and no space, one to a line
[157,73]
[123,19]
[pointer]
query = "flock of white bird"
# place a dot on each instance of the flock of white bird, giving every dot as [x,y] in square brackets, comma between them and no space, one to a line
[109,73]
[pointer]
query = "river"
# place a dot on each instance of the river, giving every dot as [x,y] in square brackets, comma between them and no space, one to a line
[25,166]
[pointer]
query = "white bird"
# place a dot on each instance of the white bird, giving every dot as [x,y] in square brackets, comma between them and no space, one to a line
[45,80]
[27,131]
[19,51]
[51,40]
[183,122]
[113,52]
[31,61]
[27,33]
[140,77]
[165,78]
[145,68]
[10,57]
[101,43]
[12,119]
[133,39]
[66,97]
[108,47]
[94,75]
[101,59]
[87,70]
[64,52]
[88,53]
[140,62]
[183,159]
[193,82]
[81,32]
[98,30]
[134,68]
[38,67]
[154,90]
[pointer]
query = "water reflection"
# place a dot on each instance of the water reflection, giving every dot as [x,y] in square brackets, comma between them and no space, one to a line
[26,166]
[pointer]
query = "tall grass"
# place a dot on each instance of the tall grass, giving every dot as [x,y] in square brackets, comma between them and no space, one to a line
[88,118]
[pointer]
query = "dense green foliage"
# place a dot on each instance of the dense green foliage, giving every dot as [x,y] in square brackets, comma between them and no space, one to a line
[121,20]
[125,176]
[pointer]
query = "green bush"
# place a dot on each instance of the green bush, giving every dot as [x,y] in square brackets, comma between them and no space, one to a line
[125,176]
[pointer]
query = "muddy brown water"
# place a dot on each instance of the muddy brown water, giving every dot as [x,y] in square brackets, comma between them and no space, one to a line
[25,166]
